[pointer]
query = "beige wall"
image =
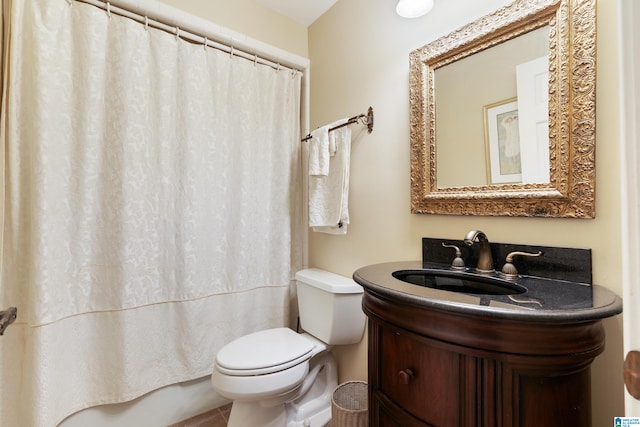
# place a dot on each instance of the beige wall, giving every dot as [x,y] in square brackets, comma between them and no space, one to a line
[252,19]
[359,57]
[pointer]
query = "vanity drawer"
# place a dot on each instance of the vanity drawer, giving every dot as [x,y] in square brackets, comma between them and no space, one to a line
[422,379]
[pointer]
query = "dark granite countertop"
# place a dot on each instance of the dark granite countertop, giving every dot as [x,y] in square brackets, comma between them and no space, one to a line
[544,300]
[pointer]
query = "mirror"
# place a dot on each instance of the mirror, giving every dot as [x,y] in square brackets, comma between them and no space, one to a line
[503,114]
[480,100]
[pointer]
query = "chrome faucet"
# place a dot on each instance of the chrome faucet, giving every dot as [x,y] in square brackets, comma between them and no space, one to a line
[485,259]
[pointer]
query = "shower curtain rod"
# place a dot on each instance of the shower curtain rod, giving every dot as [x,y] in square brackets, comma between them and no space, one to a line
[186,29]
[351,120]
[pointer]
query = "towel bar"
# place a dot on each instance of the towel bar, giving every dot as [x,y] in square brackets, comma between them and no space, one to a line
[365,119]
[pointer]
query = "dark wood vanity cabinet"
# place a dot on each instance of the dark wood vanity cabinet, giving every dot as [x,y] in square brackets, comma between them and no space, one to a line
[434,367]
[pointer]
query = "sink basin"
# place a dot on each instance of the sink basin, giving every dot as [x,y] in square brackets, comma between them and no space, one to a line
[460,282]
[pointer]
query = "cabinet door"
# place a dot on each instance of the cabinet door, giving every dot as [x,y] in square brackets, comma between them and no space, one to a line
[421,378]
[534,397]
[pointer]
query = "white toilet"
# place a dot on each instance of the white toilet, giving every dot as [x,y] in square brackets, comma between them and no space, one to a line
[280,378]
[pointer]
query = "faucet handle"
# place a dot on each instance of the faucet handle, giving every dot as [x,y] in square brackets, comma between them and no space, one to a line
[458,262]
[509,270]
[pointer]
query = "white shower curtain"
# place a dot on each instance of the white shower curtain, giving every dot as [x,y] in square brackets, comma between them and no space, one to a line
[151,211]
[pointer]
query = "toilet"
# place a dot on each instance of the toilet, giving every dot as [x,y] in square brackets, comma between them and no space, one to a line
[280,378]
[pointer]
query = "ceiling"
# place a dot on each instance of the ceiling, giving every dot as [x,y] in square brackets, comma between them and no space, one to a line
[304,12]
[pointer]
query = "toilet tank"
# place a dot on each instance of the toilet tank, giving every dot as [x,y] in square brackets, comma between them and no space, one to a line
[330,306]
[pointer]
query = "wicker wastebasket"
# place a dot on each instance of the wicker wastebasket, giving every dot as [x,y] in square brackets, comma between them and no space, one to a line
[350,405]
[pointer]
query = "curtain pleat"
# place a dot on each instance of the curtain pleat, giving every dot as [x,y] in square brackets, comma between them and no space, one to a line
[151,208]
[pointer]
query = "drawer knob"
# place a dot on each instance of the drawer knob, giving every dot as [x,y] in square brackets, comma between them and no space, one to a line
[406,376]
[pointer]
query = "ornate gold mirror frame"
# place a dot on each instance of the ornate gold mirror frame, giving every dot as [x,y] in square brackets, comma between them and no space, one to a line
[572,74]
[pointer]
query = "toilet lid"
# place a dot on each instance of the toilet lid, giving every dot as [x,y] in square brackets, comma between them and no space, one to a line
[264,352]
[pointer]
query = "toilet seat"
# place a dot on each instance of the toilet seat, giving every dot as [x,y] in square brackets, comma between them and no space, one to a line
[264,352]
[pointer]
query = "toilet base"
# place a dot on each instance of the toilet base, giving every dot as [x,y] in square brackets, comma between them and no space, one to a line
[311,407]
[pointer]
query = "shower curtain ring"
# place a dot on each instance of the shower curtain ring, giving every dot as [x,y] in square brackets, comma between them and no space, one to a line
[146,23]
[109,10]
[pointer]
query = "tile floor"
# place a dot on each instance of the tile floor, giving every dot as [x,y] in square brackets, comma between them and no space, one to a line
[215,418]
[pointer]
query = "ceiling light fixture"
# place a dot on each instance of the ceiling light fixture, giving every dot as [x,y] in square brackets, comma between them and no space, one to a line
[413,8]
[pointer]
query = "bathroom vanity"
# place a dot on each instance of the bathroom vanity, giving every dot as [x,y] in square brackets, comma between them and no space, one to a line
[477,357]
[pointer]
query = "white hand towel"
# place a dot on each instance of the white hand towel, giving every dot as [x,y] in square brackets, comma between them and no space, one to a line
[322,146]
[319,152]
[329,195]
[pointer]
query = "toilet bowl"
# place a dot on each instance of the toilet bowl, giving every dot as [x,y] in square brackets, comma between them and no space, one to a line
[280,378]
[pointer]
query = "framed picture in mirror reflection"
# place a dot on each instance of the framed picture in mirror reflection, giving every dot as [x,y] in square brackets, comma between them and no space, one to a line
[502,142]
